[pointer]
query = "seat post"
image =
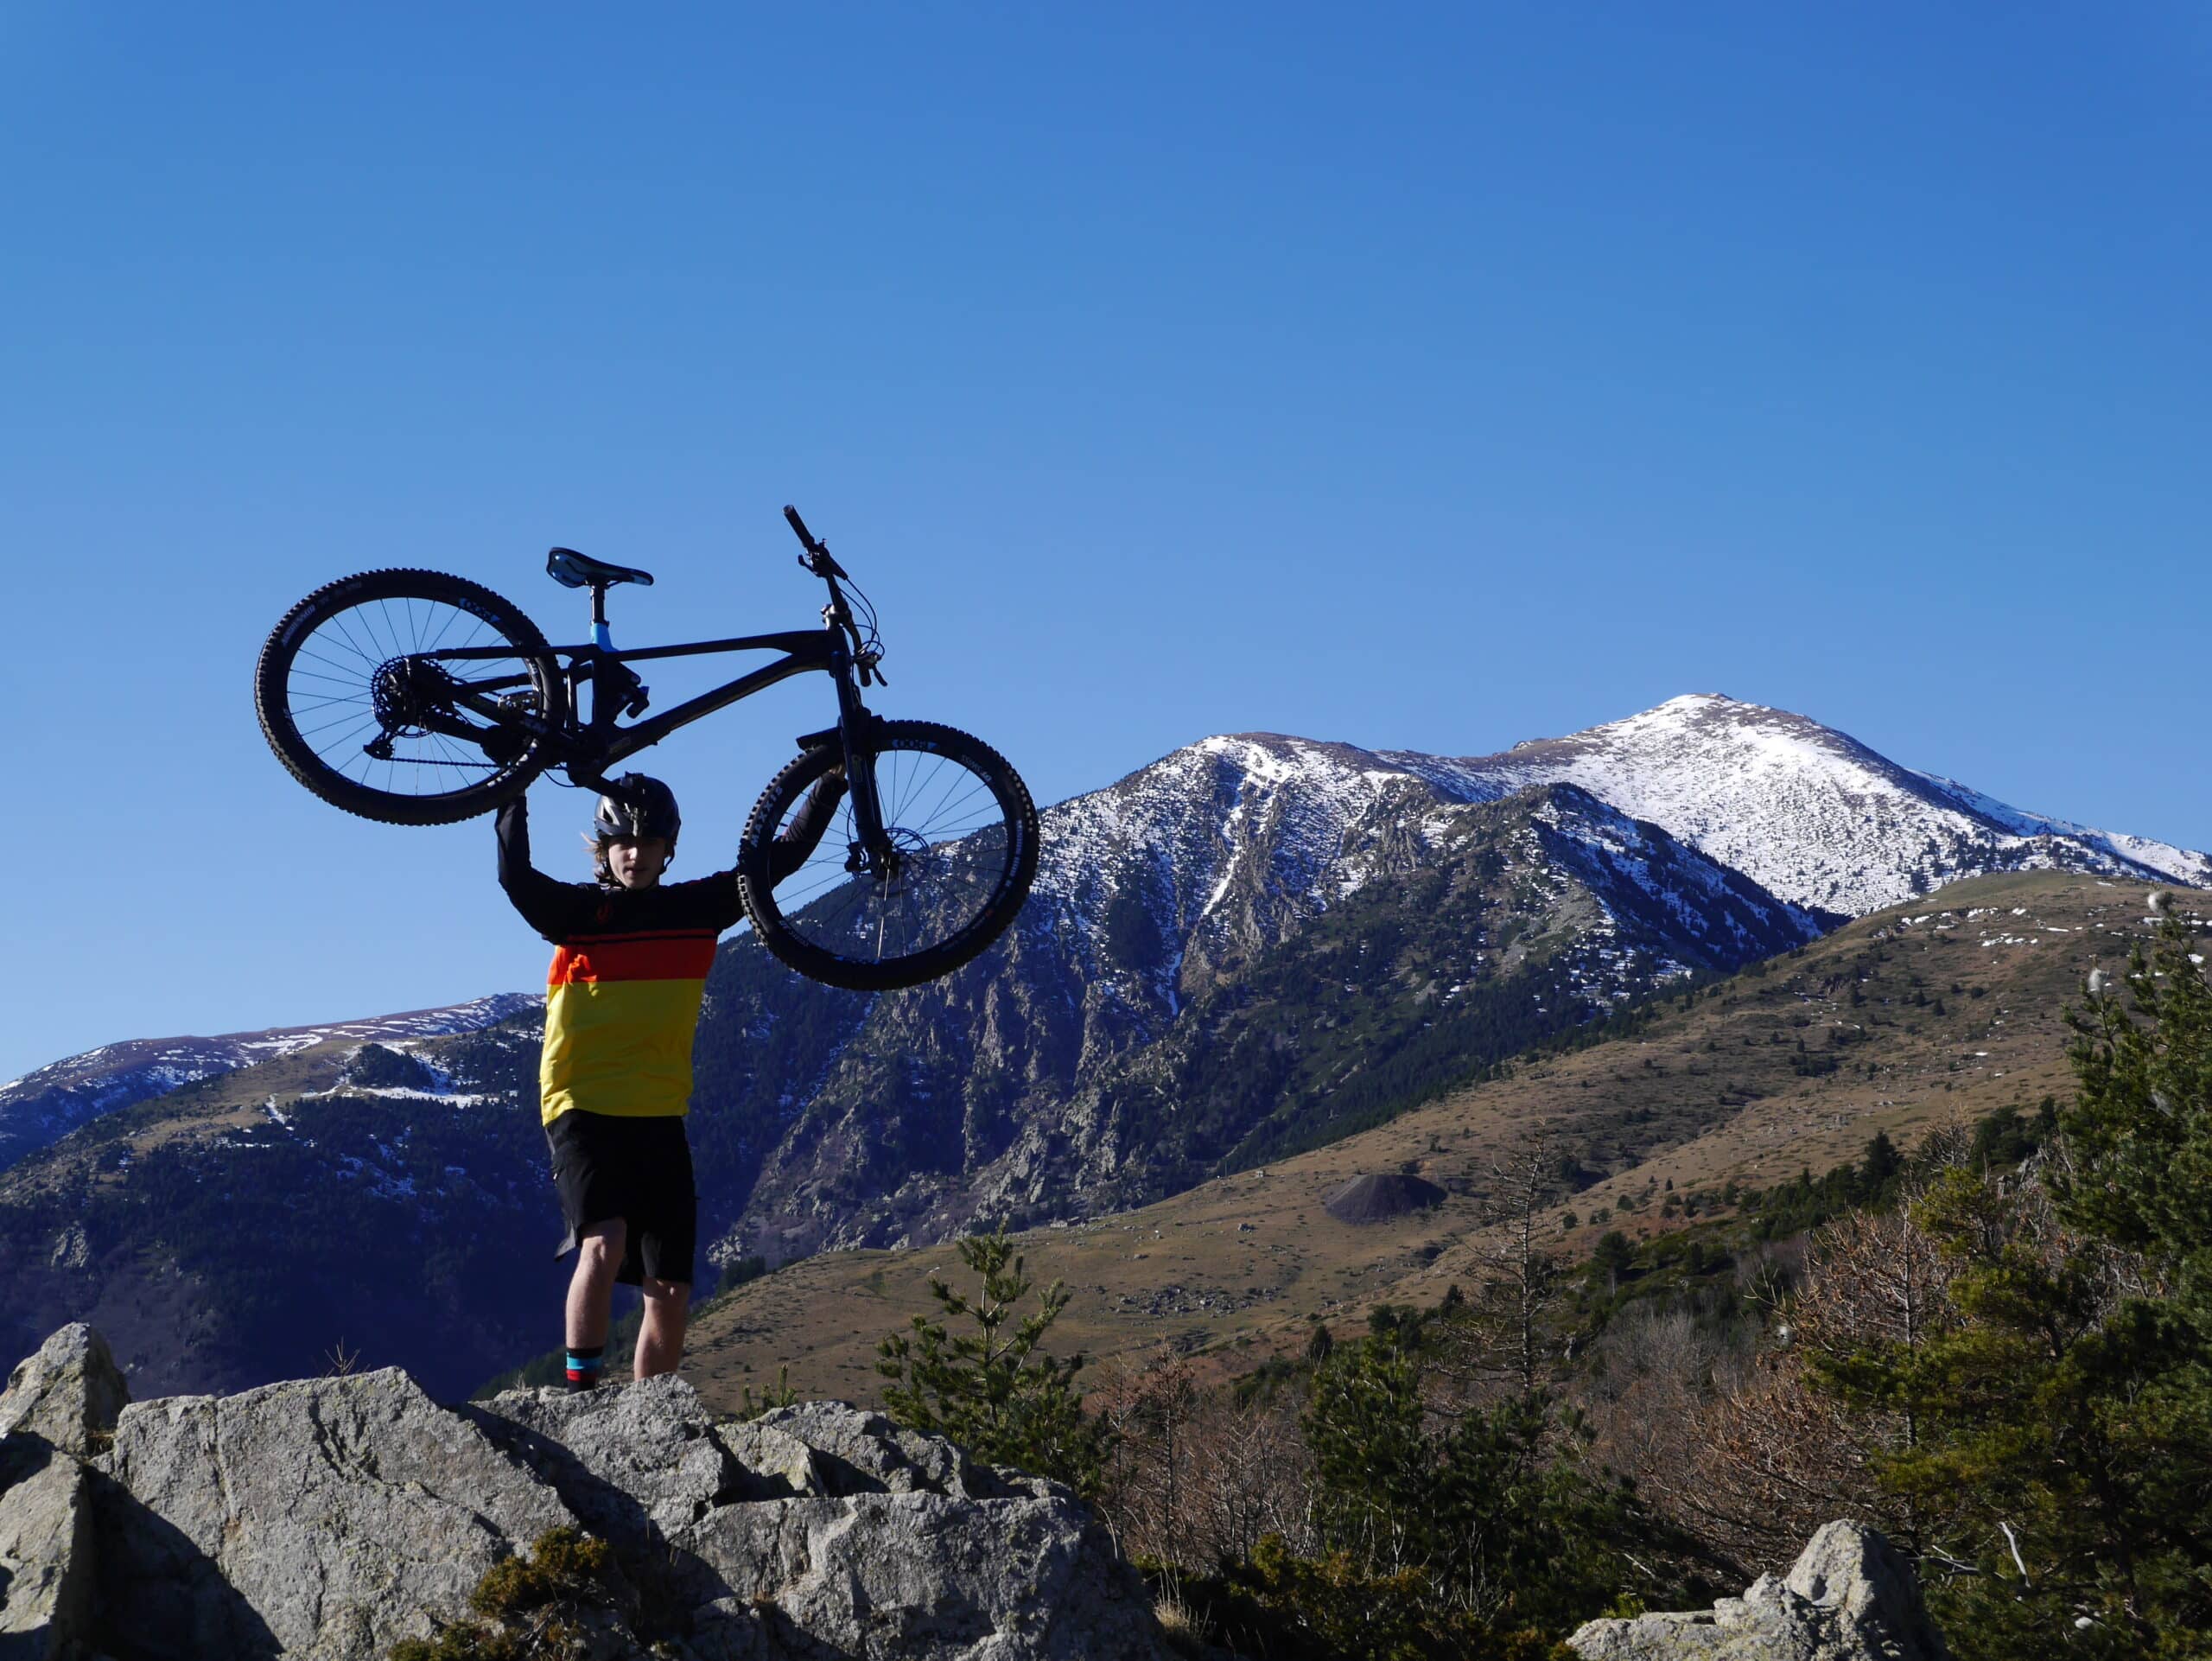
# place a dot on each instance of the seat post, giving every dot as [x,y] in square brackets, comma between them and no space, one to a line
[601,636]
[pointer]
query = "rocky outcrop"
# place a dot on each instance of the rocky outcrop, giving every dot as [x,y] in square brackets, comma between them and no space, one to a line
[45,1557]
[1847,1598]
[59,1407]
[68,1393]
[334,1518]
[301,1518]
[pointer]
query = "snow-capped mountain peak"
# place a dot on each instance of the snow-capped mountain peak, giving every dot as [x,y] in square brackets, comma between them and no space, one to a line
[1809,812]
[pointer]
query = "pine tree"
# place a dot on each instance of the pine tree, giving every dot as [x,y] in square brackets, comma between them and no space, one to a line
[994,1391]
[1490,1516]
[1881,1167]
[2062,1452]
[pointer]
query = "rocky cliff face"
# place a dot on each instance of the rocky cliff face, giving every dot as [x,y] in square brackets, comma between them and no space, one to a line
[1290,957]
[335,1517]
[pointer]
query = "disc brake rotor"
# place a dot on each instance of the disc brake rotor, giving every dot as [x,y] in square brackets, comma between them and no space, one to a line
[910,864]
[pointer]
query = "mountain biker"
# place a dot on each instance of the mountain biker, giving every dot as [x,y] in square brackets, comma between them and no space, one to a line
[614,1081]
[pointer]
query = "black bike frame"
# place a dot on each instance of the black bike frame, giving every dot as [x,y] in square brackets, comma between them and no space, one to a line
[589,750]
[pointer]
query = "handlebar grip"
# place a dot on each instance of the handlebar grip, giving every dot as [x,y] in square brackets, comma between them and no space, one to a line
[805,536]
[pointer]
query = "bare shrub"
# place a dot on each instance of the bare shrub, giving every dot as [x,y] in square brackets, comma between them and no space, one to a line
[1766,1457]
[1198,1478]
[1655,1371]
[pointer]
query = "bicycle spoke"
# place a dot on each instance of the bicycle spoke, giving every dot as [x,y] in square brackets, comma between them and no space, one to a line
[331,694]
[947,824]
[897,814]
[358,729]
[950,785]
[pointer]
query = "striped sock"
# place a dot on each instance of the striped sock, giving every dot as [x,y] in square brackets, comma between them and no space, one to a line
[584,1366]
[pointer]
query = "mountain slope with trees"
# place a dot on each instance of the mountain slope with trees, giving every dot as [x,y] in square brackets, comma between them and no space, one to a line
[1068,1074]
[1904,1022]
[45,1104]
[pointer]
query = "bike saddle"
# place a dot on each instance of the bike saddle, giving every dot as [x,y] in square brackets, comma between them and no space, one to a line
[574,571]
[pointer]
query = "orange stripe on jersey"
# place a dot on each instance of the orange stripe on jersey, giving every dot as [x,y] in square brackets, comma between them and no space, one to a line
[682,957]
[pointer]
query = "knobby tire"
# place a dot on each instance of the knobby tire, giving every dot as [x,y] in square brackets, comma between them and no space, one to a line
[273,684]
[794,936]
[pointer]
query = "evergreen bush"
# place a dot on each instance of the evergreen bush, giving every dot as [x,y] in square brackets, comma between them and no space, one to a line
[993,1389]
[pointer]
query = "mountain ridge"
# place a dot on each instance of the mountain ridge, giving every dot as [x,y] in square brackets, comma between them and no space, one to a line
[1717,772]
[48,1102]
[1254,946]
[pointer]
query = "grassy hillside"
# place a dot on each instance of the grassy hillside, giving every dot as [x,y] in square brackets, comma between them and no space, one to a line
[1935,1012]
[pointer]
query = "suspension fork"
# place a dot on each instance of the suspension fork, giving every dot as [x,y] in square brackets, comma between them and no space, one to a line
[855,727]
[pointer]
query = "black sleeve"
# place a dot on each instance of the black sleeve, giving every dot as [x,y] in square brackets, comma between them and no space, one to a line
[545,904]
[805,833]
[720,901]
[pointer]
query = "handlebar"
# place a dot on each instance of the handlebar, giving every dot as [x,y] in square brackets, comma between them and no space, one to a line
[818,558]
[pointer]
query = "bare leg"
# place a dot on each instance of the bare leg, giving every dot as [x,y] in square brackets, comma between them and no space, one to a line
[591,1288]
[660,1335]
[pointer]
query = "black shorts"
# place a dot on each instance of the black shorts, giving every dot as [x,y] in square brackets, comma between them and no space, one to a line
[638,1169]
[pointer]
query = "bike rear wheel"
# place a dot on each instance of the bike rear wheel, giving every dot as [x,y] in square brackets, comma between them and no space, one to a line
[359,714]
[967,837]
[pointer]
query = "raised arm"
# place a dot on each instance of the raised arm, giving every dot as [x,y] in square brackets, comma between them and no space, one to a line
[805,833]
[544,904]
[717,898]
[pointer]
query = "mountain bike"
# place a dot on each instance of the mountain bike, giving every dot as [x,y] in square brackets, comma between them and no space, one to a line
[415,698]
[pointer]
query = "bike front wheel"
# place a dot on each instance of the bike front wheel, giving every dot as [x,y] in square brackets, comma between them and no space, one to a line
[965,836]
[362,700]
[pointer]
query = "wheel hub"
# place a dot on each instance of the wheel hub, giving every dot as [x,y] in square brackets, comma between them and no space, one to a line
[907,861]
[401,690]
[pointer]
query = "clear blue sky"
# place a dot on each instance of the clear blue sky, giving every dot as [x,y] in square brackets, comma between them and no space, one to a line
[1432,376]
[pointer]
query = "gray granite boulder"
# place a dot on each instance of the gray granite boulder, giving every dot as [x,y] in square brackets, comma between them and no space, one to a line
[329,1518]
[777,1465]
[921,1576]
[1847,1598]
[632,1461]
[60,1404]
[69,1392]
[826,1530]
[46,1559]
[856,1451]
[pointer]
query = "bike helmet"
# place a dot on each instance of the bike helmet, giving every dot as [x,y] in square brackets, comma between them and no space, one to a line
[638,807]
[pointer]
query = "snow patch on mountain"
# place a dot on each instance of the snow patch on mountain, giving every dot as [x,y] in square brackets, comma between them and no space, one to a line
[44,1105]
[1804,810]
[1222,844]
[2182,864]
[1227,842]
